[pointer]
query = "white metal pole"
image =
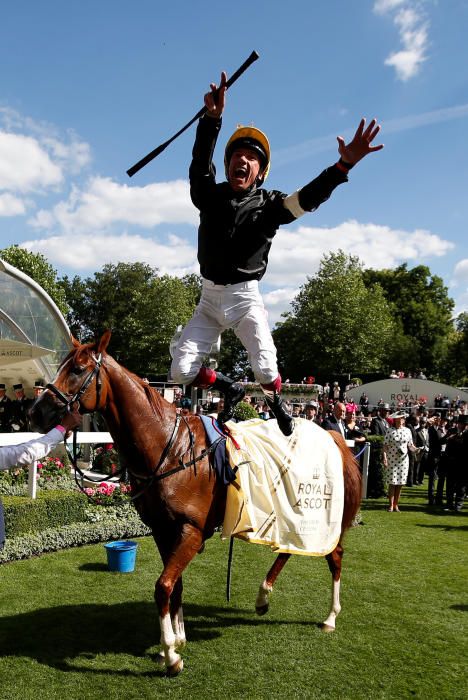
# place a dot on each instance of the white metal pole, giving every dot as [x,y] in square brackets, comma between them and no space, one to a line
[32,481]
[365,470]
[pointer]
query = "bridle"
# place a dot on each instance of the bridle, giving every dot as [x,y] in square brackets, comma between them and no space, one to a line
[68,400]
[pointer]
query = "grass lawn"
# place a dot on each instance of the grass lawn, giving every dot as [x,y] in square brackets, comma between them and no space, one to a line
[71,629]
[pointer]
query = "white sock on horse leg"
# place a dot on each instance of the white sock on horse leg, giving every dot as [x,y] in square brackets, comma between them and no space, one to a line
[263,595]
[335,606]
[168,641]
[179,628]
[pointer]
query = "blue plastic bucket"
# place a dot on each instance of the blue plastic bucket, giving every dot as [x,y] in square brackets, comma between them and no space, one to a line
[121,556]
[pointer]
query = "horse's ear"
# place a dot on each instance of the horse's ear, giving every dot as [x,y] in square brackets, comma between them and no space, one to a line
[76,343]
[104,342]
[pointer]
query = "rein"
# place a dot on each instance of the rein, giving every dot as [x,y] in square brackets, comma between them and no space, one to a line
[68,400]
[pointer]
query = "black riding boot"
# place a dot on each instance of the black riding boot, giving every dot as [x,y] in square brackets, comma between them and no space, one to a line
[277,407]
[233,393]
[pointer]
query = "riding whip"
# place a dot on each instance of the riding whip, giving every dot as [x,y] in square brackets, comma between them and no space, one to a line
[229,569]
[150,156]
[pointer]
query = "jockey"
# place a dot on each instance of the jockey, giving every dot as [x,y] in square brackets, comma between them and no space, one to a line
[238,220]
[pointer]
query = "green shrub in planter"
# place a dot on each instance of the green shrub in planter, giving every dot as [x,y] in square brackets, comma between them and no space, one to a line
[50,509]
[244,411]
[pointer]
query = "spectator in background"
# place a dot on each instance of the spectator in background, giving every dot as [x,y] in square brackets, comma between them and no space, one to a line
[185,406]
[6,410]
[352,431]
[422,441]
[397,444]
[456,455]
[433,457]
[20,409]
[336,421]
[379,424]
[412,423]
[364,404]
[38,389]
[311,412]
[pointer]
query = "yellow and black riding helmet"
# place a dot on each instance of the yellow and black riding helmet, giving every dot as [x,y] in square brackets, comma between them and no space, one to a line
[249,137]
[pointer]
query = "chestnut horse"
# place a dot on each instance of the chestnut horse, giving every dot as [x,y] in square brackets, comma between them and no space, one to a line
[183,509]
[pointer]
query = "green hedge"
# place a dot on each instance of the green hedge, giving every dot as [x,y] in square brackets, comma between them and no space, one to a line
[50,509]
[113,523]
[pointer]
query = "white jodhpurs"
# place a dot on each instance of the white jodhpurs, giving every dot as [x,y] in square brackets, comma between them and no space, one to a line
[236,306]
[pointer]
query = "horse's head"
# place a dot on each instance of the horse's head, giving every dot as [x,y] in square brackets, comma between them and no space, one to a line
[78,380]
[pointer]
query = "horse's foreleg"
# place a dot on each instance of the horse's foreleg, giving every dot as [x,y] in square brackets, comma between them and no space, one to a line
[262,602]
[181,554]
[334,564]
[177,615]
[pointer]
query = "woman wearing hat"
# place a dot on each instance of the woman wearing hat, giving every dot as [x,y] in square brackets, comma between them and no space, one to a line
[398,443]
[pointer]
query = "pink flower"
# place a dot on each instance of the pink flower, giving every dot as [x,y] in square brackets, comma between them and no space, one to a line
[110,446]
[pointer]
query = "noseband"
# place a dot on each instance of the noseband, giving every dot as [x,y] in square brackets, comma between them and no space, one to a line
[69,400]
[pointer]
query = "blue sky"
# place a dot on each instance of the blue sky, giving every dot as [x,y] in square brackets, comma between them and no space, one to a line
[88,88]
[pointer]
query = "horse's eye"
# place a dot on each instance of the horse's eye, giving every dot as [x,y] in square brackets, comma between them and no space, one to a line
[77,370]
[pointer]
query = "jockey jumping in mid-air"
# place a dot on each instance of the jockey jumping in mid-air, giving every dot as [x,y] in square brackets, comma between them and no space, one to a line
[238,220]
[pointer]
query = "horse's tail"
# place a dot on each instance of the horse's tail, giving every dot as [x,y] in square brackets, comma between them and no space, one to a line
[352,481]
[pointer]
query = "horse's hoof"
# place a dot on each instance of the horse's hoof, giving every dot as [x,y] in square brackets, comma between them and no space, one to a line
[327,628]
[175,669]
[262,609]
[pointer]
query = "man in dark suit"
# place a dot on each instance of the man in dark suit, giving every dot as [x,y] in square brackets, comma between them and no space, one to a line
[422,441]
[432,464]
[20,409]
[412,423]
[456,454]
[379,424]
[336,420]
[5,410]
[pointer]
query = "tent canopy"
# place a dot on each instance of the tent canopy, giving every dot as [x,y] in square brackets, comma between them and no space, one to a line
[34,337]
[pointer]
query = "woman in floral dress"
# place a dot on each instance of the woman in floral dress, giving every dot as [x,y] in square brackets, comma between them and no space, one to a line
[397,443]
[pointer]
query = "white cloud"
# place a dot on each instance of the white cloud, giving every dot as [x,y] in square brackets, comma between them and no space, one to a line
[34,157]
[11,205]
[413,34]
[460,272]
[297,253]
[104,202]
[460,281]
[86,253]
[24,165]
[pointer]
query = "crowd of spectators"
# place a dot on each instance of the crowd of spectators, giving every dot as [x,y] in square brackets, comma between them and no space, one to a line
[14,416]
[439,433]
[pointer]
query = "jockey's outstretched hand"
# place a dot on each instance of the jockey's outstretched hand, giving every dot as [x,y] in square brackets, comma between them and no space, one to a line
[215,100]
[360,146]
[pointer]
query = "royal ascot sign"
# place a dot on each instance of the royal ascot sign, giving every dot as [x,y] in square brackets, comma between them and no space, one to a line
[13,352]
[396,392]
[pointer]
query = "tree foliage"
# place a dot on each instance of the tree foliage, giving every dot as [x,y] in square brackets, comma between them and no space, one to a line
[36,266]
[337,325]
[421,303]
[141,308]
[457,354]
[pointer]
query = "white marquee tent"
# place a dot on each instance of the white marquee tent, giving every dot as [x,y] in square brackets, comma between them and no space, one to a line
[34,336]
